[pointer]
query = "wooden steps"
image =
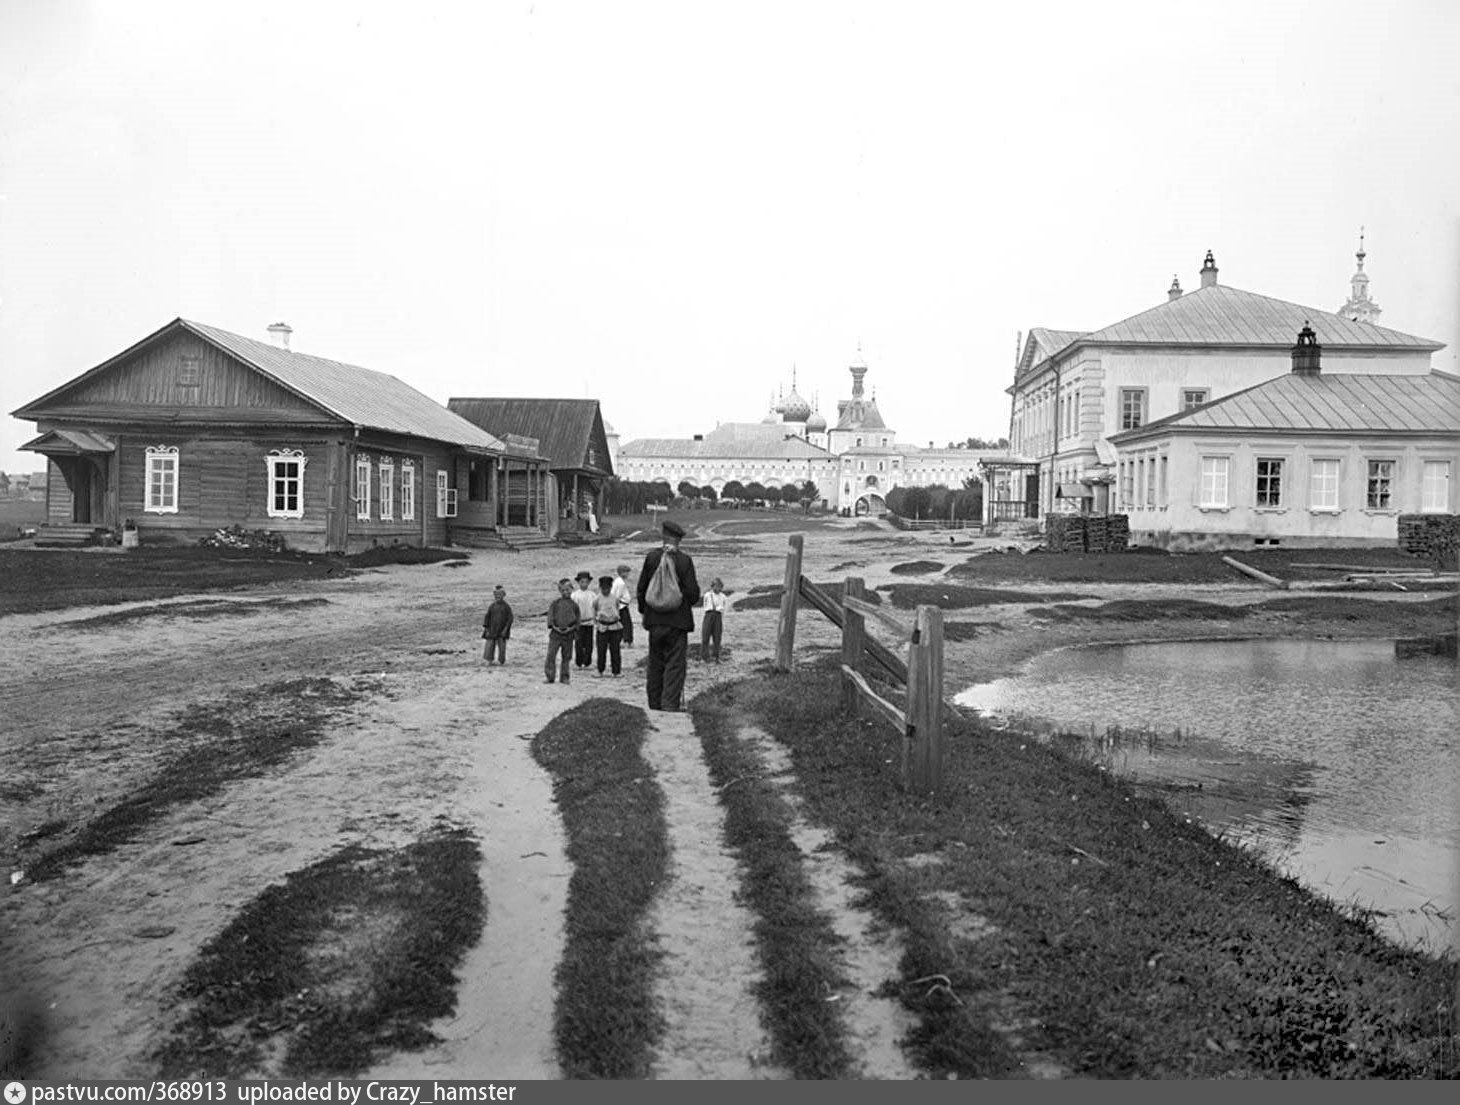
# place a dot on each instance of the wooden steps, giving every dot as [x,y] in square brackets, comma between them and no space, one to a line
[70,535]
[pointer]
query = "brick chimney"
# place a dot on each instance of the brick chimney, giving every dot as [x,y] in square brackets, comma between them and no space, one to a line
[279,334]
[1173,292]
[1307,353]
[1209,271]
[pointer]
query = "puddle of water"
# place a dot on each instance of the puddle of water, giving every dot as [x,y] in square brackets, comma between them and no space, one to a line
[1339,760]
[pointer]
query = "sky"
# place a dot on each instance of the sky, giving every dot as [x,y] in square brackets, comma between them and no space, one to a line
[671,207]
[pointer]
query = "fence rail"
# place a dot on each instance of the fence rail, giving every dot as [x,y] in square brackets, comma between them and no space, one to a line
[921,722]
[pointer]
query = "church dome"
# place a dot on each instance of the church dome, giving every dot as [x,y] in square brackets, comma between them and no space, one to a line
[795,409]
[816,424]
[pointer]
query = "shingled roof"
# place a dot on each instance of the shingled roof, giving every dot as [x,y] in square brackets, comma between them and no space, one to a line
[570,432]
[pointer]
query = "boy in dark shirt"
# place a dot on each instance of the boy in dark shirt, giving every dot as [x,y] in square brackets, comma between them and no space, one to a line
[562,618]
[497,627]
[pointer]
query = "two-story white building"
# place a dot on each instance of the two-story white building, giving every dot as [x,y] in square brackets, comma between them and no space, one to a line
[1075,391]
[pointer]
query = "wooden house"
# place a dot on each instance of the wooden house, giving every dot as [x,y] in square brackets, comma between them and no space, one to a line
[570,436]
[194,429]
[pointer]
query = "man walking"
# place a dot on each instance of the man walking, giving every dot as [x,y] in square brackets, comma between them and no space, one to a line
[668,629]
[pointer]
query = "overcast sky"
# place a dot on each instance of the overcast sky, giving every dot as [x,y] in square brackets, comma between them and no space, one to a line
[667,206]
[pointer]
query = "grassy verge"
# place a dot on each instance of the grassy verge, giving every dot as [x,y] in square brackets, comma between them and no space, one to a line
[613,812]
[797,943]
[1158,566]
[349,958]
[35,580]
[1136,944]
[238,737]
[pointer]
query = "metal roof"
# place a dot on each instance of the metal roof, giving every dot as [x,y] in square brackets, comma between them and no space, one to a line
[360,396]
[1337,402]
[1220,315]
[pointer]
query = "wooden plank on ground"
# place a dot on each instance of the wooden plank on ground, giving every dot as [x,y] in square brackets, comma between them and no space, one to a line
[1247,569]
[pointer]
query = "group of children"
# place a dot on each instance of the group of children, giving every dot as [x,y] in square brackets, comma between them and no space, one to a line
[585,615]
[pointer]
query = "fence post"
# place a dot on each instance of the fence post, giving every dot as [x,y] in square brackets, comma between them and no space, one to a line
[854,637]
[923,750]
[786,629]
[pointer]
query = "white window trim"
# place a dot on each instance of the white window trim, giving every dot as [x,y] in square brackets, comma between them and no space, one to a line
[155,455]
[387,489]
[1337,505]
[362,489]
[408,491]
[1282,483]
[275,458]
[1203,502]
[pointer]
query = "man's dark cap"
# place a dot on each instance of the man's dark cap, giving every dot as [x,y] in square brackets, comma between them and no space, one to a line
[584,575]
[674,529]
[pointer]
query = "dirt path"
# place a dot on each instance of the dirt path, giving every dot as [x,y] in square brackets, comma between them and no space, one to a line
[88,720]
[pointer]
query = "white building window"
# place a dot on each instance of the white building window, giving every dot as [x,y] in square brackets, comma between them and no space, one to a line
[387,490]
[286,483]
[445,497]
[1193,397]
[1214,481]
[1323,485]
[1434,487]
[407,491]
[162,461]
[1380,493]
[1269,490]
[362,489]
[1132,408]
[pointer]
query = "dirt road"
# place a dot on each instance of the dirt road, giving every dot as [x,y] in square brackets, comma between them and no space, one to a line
[92,712]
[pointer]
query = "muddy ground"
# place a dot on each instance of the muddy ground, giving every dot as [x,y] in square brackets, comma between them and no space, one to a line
[92,711]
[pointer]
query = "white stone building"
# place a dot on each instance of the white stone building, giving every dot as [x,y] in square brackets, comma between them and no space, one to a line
[853,463]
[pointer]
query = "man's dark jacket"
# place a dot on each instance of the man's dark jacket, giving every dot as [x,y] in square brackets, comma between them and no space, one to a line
[682,617]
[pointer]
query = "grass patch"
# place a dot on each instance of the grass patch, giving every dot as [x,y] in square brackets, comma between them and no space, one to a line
[1158,566]
[767,596]
[947,596]
[1140,610]
[1137,944]
[797,943]
[381,555]
[613,811]
[195,610]
[347,959]
[239,737]
[917,568]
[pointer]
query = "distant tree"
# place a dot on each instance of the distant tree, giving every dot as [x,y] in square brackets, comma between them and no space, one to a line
[755,491]
[660,492]
[981,443]
[708,494]
[916,503]
[688,490]
[810,493]
[4,485]
[733,490]
[790,493]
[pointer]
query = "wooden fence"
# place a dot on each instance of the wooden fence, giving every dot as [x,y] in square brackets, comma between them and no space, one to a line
[921,722]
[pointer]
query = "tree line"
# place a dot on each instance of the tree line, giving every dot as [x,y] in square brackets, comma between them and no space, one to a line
[634,496]
[938,501]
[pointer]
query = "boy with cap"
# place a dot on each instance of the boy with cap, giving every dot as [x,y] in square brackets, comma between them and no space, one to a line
[668,630]
[584,596]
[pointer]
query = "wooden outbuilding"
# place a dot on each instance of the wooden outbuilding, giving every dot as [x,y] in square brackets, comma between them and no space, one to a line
[570,435]
[194,429]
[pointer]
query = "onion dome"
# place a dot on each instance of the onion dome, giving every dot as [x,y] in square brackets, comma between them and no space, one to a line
[816,424]
[794,408]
